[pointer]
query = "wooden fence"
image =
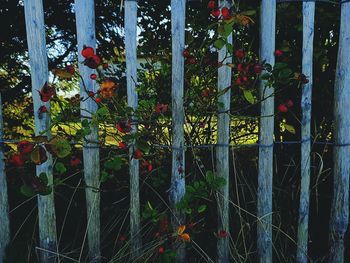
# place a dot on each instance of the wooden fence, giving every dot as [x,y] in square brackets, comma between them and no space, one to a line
[85,24]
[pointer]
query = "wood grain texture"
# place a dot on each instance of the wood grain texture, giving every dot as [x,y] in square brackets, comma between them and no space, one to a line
[266,129]
[306,98]
[85,23]
[4,206]
[130,25]
[222,153]
[339,219]
[34,19]
[177,189]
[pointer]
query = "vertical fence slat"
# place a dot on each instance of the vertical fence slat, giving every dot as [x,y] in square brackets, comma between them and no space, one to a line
[308,41]
[265,174]
[340,204]
[4,207]
[177,191]
[222,153]
[130,22]
[85,23]
[34,18]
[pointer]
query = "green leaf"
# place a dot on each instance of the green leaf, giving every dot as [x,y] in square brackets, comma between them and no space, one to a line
[201,209]
[248,95]
[38,155]
[60,147]
[60,168]
[280,65]
[219,43]
[27,191]
[105,176]
[285,73]
[114,164]
[43,178]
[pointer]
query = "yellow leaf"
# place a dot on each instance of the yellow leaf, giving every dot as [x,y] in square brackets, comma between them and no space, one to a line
[289,128]
[180,230]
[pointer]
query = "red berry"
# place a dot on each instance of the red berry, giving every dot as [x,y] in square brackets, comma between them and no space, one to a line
[211,4]
[25,147]
[225,13]
[192,60]
[186,53]
[215,13]
[43,109]
[93,76]
[258,68]
[282,108]
[239,53]
[98,100]
[290,103]
[87,52]
[122,145]
[222,234]
[278,53]
[17,160]
[74,161]
[161,250]
[138,154]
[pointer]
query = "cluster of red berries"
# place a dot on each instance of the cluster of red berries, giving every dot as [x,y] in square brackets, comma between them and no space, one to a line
[284,107]
[91,59]
[190,59]
[24,148]
[216,12]
[245,71]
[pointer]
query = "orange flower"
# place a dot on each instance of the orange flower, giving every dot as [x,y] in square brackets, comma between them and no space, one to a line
[107,89]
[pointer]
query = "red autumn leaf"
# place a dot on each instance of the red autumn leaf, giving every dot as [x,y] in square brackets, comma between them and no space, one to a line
[282,108]
[47,92]
[17,160]
[25,147]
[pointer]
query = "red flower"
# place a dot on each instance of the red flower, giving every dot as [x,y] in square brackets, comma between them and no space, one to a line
[124,126]
[93,76]
[278,53]
[211,4]
[46,92]
[122,145]
[74,161]
[186,53]
[138,154]
[87,52]
[215,12]
[258,68]
[92,62]
[161,108]
[17,160]
[290,104]
[225,13]
[222,234]
[239,53]
[161,250]
[282,108]
[25,147]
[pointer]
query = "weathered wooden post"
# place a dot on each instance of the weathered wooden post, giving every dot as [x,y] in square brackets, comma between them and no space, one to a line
[34,19]
[85,23]
[265,174]
[306,98]
[177,191]
[130,25]
[4,207]
[222,152]
[340,204]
